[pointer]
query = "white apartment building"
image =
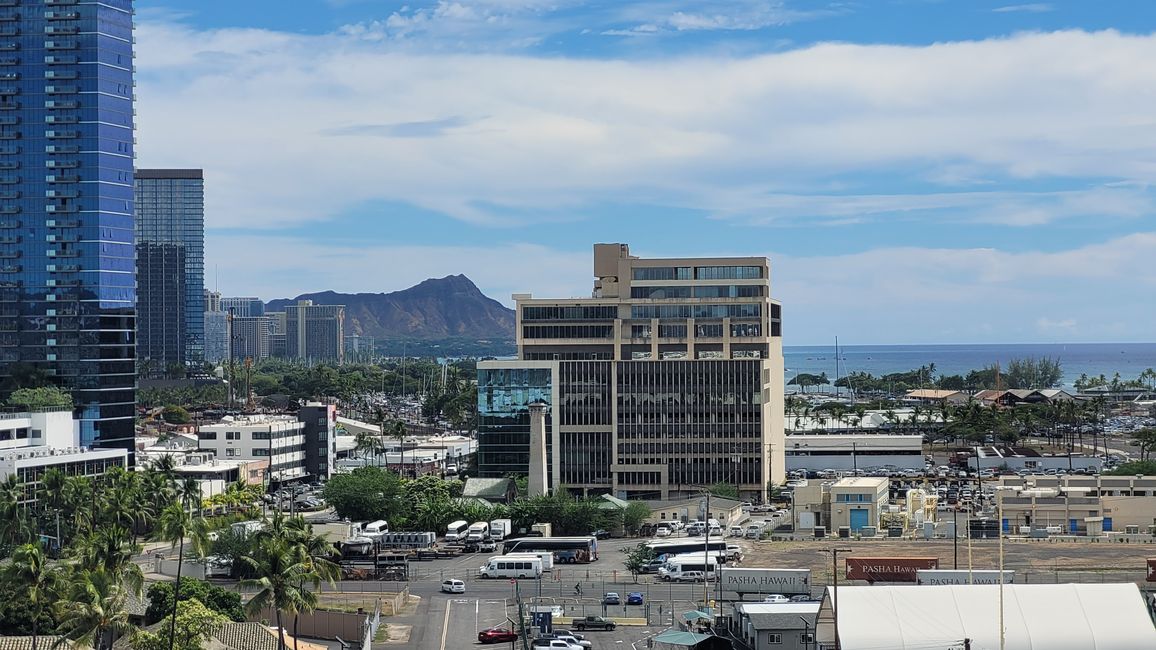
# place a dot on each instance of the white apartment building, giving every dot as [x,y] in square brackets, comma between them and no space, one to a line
[278,439]
[31,443]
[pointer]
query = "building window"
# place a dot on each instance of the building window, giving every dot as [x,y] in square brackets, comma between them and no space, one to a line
[207,435]
[774,638]
[806,638]
[231,452]
[232,435]
[261,435]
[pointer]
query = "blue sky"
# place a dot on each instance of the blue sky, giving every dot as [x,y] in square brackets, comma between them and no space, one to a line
[917,170]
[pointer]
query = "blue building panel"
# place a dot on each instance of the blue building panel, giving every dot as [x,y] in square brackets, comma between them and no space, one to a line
[66,206]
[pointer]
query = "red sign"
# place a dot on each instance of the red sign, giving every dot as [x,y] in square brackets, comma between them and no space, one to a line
[1151,569]
[888,569]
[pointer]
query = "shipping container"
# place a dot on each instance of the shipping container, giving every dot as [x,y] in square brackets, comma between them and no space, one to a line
[962,577]
[766,581]
[888,569]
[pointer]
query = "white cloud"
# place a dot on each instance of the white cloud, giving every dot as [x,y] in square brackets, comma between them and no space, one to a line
[914,294]
[712,15]
[259,111]
[885,295]
[1034,8]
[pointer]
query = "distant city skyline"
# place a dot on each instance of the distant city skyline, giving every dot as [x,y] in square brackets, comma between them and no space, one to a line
[916,171]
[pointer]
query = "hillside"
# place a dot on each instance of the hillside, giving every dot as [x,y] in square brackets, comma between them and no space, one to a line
[441,308]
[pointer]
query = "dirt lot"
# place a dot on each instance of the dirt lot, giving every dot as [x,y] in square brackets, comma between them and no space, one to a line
[1033,561]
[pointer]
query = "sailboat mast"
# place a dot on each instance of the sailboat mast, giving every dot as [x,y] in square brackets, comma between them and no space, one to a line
[836,366]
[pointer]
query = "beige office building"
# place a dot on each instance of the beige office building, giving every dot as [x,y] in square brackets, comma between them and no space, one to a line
[669,378]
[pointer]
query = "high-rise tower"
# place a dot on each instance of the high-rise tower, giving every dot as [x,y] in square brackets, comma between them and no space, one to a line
[170,261]
[67,285]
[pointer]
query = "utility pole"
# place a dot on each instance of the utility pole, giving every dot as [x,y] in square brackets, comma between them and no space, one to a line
[706,554]
[955,539]
[835,588]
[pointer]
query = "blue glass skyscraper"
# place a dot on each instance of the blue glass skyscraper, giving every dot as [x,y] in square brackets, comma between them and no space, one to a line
[170,262]
[67,285]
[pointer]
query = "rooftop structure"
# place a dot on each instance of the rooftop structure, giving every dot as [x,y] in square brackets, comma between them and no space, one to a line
[1057,617]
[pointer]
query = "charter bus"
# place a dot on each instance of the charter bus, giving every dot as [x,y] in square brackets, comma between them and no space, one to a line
[568,550]
[517,566]
[664,547]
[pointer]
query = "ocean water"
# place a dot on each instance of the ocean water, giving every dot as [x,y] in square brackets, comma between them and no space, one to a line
[1128,359]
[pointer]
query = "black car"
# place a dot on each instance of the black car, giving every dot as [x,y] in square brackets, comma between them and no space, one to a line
[601,534]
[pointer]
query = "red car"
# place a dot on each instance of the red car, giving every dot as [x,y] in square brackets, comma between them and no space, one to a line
[497,635]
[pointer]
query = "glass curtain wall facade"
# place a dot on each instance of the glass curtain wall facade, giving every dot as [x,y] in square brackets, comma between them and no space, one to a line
[170,246]
[67,281]
[504,398]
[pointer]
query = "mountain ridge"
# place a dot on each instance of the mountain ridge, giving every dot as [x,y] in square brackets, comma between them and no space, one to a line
[436,308]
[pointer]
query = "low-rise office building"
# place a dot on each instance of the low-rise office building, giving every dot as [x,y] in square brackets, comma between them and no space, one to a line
[278,439]
[854,503]
[31,443]
[1080,504]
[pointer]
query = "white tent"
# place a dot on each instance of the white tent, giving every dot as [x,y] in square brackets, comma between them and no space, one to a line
[1056,617]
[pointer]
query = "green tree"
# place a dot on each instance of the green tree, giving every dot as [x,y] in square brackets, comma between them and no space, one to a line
[176,415]
[1145,439]
[366,493]
[223,601]
[29,571]
[92,611]
[633,515]
[31,399]
[191,627]
[637,558]
[725,490]
[1142,467]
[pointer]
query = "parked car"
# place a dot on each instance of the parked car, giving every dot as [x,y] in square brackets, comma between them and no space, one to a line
[571,639]
[611,598]
[601,533]
[592,623]
[453,587]
[634,598]
[691,576]
[776,598]
[497,635]
[554,643]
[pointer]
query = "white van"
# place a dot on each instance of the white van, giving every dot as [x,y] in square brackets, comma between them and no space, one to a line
[375,529]
[504,566]
[547,557]
[453,587]
[456,531]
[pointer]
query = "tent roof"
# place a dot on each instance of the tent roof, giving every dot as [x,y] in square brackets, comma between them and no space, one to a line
[677,637]
[1057,617]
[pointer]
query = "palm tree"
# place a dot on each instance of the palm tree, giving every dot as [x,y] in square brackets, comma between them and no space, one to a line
[280,576]
[14,525]
[398,431]
[174,525]
[92,611]
[109,548]
[29,570]
[189,493]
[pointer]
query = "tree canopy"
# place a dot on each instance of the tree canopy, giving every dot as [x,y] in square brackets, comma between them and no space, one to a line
[32,399]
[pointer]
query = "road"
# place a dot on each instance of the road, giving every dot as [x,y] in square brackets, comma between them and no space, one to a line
[452,622]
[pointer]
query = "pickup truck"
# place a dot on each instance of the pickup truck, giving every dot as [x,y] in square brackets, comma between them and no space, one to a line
[593,623]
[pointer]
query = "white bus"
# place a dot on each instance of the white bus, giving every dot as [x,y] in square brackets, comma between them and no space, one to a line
[679,564]
[504,566]
[456,531]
